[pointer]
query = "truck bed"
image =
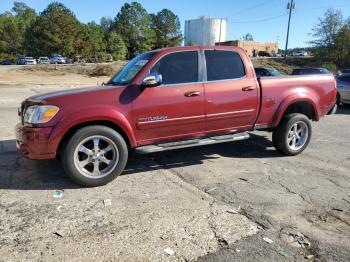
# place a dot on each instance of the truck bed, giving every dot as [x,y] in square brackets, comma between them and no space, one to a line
[277,91]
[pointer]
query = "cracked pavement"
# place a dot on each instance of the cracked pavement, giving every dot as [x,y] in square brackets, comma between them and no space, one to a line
[212,203]
[309,192]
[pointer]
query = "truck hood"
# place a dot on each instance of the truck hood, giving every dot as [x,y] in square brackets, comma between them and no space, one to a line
[79,98]
[84,101]
[63,93]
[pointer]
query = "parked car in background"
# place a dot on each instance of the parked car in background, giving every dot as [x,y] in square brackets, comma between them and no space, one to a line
[57,59]
[276,55]
[43,60]
[345,71]
[343,86]
[6,62]
[264,54]
[300,53]
[310,71]
[266,71]
[30,60]
[21,60]
[168,99]
[68,60]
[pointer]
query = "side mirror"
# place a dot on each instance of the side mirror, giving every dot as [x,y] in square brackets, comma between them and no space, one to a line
[154,79]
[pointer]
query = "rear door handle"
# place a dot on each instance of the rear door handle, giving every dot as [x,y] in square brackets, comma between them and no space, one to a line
[192,93]
[248,88]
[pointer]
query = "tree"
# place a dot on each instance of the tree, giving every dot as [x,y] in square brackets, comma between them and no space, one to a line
[248,37]
[19,8]
[116,46]
[11,35]
[14,27]
[167,28]
[132,24]
[106,24]
[92,39]
[325,31]
[342,45]
[193,43]
[54,31]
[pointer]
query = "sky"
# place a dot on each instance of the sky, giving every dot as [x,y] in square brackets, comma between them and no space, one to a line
[266,20]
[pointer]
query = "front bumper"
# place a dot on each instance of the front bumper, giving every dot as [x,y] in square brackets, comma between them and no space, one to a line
[32,142]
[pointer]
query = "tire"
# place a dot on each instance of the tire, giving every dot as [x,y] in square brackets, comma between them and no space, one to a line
[94,156]
[286,140]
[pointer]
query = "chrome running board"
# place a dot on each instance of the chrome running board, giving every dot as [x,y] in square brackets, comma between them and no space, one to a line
[192,143]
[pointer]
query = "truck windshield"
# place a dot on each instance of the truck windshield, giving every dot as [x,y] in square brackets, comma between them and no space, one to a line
[130,70]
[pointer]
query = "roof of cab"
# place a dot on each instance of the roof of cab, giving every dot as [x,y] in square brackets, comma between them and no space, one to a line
[187,48]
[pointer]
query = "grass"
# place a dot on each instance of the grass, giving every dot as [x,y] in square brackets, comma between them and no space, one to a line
[81,69]
[286,66]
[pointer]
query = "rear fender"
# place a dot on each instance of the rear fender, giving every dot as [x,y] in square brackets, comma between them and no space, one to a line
[308,97]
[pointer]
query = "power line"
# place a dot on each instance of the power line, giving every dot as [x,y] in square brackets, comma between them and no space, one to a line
[321,7]
[253,7]
[259,20]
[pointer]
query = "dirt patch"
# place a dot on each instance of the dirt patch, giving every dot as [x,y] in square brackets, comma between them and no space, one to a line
[81,69]
[286,66]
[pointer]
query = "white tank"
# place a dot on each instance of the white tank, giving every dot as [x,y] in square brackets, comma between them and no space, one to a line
[205,31]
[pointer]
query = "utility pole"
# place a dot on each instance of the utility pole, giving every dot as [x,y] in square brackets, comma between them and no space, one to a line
[290,6]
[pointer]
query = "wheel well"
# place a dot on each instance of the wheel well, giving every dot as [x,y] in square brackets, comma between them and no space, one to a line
[303,108]
[73,129]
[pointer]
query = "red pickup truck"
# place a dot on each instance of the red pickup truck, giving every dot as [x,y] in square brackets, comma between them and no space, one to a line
[167,99]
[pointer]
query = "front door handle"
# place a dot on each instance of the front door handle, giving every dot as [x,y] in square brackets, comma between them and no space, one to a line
[248,88]
[192,93]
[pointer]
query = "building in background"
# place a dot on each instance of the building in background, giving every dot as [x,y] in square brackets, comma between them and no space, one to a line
[205,31]
[252,48]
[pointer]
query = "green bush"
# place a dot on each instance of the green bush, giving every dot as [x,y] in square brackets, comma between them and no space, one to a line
[100,57]
[4,56]
[330,66]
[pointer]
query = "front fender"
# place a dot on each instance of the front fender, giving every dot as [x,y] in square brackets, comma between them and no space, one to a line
[84,115]
[308,97]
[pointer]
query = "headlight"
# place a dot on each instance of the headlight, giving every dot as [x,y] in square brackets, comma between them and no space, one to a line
[39,114]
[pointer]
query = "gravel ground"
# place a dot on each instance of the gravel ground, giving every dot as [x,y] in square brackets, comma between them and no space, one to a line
[213,203]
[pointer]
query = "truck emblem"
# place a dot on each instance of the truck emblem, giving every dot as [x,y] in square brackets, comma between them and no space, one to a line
[153,118]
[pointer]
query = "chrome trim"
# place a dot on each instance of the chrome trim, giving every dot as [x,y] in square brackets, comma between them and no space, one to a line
[172,119]
[192,143]
[188,83]
[232,112]
[206,82]
[154,79]
[223,80]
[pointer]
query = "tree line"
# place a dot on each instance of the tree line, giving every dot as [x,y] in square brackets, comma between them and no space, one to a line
[331,43]
[57,30]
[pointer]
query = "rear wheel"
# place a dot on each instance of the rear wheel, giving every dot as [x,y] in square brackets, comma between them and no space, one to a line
[293,134]
[95,155]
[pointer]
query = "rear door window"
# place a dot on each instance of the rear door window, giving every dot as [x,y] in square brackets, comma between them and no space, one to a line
[223,65]
[178,68]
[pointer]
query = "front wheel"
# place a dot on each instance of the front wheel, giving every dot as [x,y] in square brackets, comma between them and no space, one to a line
[292,135]
[94,156]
